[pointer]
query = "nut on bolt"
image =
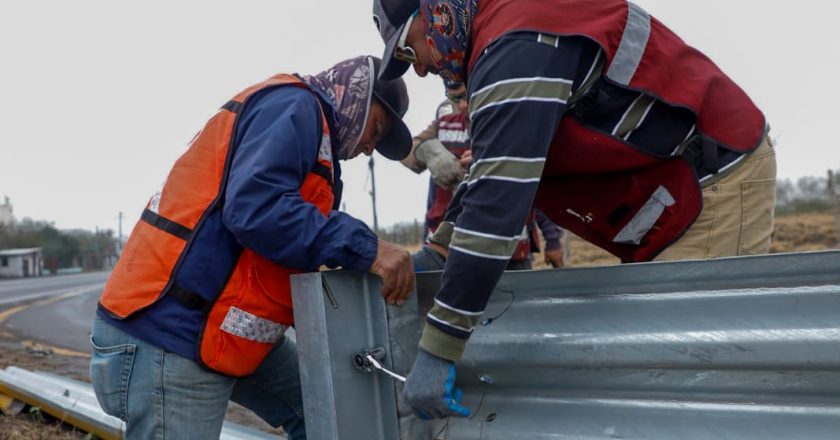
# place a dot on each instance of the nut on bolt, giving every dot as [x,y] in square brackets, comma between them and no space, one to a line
[362,363]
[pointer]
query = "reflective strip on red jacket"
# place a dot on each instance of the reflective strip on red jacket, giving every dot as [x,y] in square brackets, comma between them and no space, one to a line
[642,54]
[599,183]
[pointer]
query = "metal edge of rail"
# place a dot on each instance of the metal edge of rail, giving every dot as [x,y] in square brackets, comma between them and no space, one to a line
[29,388]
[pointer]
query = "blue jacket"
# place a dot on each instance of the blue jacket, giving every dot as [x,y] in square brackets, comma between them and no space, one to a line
[276,143]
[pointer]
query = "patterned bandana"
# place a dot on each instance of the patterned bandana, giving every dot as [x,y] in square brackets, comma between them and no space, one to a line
[448,34]
[349,85]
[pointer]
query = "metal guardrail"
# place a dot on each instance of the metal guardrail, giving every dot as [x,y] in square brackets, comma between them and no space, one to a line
[74,402]
[65,399]
[335,324]
[737,348]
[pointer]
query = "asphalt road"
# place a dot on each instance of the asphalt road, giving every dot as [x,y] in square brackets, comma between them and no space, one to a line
[56,310]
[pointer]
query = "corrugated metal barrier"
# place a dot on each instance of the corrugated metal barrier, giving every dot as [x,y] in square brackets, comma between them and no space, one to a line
[738,348]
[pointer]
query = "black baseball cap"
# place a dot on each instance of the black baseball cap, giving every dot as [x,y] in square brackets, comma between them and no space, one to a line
[390,17]
[393,95]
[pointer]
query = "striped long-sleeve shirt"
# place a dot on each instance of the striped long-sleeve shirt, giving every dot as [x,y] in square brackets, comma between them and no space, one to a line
[518,92]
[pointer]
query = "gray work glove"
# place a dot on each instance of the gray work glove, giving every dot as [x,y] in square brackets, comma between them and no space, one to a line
[446,171]
[430,388]
[427,259]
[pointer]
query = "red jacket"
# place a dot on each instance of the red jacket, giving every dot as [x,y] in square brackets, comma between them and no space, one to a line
[597,185]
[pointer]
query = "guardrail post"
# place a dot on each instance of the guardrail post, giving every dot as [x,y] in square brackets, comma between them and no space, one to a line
[835,202]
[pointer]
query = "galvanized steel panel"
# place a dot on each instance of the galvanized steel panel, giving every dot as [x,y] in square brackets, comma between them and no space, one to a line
[338,314]
[739,348]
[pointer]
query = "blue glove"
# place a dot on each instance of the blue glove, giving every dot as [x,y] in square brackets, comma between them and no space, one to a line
[430,388]
[426,260]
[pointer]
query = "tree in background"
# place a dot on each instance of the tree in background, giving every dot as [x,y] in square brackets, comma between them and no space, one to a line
[97,250]
[61,249]
[806,194]
[404,233]
[834,194]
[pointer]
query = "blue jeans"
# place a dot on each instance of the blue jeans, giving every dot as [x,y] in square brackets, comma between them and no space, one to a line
[161,395]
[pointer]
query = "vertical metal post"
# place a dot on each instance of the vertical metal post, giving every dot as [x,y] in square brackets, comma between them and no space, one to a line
[337,315]
[835,201]
[120,239]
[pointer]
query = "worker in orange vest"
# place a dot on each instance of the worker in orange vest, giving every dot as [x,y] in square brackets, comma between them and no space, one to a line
[196,310]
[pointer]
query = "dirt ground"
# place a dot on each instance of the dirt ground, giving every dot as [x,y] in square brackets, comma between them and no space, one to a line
[793,233]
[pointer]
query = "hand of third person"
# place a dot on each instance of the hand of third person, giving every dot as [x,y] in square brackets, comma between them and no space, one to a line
[554,257]
[446,171]
[393,265]
[465,159]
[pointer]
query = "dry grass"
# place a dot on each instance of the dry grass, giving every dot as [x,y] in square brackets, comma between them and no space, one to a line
[36,426]
[804,232]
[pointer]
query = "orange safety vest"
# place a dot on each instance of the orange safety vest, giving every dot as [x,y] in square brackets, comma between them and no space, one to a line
[253,310]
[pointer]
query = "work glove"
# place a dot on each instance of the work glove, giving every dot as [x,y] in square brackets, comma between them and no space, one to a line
[427,259]
[430,388]
[446,170]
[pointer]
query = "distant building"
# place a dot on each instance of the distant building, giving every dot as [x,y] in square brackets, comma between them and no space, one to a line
[6,212]
[21,263]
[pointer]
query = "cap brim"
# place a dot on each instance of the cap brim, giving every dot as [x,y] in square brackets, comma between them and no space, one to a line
[397,142]
[392,68]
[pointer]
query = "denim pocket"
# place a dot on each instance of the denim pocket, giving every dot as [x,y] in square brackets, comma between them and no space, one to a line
[110,371]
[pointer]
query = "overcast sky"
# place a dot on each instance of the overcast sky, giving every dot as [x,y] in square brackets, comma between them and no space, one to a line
[100,97]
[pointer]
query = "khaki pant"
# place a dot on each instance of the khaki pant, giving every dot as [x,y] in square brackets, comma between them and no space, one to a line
[737,215]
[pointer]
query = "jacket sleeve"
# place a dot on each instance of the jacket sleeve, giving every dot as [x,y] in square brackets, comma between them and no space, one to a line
[277,140]
[517,94]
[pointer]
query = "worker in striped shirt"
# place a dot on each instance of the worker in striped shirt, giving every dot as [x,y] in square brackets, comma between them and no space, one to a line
[444,149]
[594,112]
